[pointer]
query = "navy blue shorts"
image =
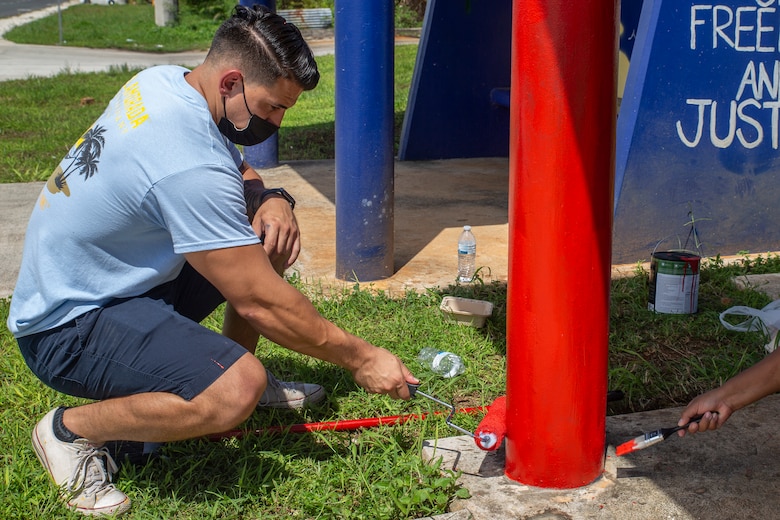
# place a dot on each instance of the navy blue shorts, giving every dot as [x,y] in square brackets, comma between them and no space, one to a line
[150,343]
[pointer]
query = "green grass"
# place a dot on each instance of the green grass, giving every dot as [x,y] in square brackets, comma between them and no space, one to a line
[129,27]
[656,360]
[132,26]
[43,117]
[661,360]
[375,473]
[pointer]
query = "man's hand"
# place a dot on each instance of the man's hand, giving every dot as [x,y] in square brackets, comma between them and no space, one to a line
[384,373]
[273,220]
[276,225]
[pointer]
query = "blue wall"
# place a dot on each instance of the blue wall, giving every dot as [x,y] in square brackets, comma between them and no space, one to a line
[698,131]
[464,54]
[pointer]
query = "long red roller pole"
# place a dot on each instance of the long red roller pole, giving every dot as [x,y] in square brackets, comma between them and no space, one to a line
[561,162]
[339,426]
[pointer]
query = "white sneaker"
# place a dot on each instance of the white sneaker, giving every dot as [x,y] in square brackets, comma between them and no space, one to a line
[281,394]
[79,470]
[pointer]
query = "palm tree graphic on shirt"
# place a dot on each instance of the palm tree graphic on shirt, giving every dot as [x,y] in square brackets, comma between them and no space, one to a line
[84,158]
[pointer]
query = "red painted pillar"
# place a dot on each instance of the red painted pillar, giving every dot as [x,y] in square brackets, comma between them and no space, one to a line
[561,163]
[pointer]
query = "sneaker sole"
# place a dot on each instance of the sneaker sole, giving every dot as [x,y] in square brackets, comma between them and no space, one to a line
[119,509]
[309,400]
[41,453]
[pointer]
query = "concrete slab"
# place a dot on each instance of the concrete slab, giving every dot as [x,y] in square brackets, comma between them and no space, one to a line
[460,191]
[433,200]
[768,284]
[16,204]
[728,474]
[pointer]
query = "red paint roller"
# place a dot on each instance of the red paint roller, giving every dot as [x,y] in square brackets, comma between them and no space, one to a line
[492,429]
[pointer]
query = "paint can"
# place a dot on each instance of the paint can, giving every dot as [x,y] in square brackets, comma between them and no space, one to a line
[674,282]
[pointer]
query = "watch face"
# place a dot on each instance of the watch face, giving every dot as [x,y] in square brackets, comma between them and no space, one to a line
[283,193]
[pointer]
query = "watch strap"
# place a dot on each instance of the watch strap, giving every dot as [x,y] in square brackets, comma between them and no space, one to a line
[279,191]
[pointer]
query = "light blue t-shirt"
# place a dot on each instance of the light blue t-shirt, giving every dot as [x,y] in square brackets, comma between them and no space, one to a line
[152,179]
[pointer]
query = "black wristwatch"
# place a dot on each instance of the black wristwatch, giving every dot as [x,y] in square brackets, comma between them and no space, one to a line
[279,191]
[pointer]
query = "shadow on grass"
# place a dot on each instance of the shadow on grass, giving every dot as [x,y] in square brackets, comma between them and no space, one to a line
[264,472]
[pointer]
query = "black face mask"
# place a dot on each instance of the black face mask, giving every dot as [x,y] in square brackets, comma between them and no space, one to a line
[255,132]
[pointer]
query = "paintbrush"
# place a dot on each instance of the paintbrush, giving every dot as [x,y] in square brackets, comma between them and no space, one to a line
[650,438]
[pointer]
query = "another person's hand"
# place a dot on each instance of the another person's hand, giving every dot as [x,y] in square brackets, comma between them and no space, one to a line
[713,409]
[384,373]
[747,387]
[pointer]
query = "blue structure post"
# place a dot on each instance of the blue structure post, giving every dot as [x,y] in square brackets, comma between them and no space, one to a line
[364,139]
[265,154]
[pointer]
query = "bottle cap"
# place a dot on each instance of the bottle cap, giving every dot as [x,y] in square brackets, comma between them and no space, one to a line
[466,228]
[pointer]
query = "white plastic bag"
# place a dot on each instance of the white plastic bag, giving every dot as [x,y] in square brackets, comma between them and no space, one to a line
[766,320]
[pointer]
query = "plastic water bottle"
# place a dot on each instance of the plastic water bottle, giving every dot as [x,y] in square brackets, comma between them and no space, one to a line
[467,255]
[446,364]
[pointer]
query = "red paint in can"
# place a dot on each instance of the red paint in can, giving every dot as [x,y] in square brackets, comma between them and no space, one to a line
[674,282]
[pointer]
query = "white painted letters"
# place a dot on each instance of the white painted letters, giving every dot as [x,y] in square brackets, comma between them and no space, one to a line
[754,111]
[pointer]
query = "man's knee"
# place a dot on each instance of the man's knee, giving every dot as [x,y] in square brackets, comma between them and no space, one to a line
[232,398]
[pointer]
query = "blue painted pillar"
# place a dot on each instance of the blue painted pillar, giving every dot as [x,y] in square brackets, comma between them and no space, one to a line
[364,139]
[265,154]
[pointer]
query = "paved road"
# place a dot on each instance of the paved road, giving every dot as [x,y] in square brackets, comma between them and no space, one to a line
[10,8]
[20,12]
[21,61]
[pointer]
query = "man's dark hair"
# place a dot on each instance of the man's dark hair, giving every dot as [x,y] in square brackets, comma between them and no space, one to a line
[265,47]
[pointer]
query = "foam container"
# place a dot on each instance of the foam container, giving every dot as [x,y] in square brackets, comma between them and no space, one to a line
[466,311]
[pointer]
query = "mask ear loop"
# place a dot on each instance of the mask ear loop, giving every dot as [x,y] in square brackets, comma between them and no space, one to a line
[225,117]
[251,115]
[224,108]
[243,93]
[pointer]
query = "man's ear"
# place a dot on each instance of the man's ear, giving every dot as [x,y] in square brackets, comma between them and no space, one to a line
[229,82]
